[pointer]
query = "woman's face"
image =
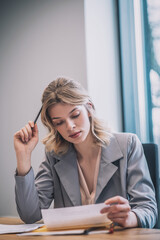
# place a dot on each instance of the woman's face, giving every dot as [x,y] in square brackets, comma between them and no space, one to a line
[72,122]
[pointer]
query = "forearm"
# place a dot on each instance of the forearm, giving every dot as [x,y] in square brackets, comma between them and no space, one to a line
[146,217]
[27,199]
[140,188]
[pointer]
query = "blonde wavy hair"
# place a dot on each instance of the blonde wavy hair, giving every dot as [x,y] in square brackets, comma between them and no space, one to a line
[67,91]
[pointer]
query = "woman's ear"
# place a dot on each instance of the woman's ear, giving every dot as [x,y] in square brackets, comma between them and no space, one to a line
[89,104]
[89,108]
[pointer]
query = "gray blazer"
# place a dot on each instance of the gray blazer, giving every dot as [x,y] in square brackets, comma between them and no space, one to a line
[123,171]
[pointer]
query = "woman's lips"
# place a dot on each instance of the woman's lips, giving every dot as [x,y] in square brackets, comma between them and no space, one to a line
[75,135]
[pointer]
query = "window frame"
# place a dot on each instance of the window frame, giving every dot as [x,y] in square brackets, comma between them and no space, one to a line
[129,76]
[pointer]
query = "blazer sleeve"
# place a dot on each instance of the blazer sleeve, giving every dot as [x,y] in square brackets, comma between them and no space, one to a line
[140,188]
[33,194]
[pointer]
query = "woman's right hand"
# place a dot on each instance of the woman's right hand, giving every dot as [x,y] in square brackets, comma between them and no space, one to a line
[25,141]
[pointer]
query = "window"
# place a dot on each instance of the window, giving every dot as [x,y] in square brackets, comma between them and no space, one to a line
[139,28]
[139,32]
[152,34]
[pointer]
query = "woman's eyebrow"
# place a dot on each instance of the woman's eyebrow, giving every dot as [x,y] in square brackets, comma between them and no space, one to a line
[73,110]
[55,117]
[69,113]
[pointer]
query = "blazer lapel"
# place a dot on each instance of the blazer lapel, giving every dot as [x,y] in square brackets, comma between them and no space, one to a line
[67,171]
[110,154]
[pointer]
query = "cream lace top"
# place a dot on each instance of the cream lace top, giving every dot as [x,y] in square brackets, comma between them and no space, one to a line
[86,196]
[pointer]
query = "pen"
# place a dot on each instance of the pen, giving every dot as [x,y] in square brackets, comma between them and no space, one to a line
[91,229]
[37,115]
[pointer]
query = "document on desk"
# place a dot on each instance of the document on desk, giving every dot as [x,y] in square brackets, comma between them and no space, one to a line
[21,228]
[53,233]
[66,232]
[77,217]
[73,221]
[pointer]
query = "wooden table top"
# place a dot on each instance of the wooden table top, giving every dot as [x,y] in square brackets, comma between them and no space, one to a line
[126,234]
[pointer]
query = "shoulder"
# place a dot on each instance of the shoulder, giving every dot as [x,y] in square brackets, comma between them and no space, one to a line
[125,137]
[51,156]
[126,141]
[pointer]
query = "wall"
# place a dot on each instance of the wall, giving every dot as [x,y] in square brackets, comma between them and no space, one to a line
[103,70]
[41,40]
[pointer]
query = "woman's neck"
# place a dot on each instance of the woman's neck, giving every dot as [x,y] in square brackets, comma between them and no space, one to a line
[86,149]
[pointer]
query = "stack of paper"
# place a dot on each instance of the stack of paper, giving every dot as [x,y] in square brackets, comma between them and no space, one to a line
[75,217]
[64,221]
[5,228]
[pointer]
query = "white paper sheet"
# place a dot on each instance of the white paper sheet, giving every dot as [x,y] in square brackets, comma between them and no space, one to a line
[58,233]
[53,233]
[5,228]
[74,216]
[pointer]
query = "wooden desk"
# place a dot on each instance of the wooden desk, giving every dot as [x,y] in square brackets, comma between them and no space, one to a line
[127,234]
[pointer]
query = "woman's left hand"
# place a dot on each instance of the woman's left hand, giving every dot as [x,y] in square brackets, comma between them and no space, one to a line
[120,212]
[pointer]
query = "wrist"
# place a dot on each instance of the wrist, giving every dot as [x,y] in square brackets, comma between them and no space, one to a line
[22,173]
[23,164]
[133,220]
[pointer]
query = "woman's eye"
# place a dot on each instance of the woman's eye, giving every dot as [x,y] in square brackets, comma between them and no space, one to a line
[58,123]
[76,115]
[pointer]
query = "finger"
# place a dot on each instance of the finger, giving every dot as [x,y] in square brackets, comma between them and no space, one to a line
[21,134]
[33,127]
[118,215]
[115,200]
[31,123]
[105,210]
[120,221]
[117,208]
[29,130]
[35,130]
[128,220]
[25,132]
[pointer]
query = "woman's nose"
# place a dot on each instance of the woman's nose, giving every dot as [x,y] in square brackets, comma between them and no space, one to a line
[70,124]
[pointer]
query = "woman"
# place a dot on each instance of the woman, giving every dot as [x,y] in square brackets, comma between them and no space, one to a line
[84,163]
